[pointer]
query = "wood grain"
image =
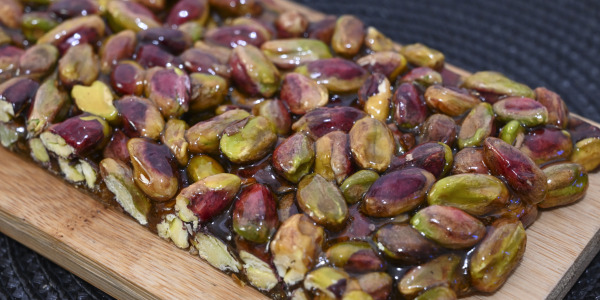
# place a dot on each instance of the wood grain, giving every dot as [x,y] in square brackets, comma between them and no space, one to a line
[111,251]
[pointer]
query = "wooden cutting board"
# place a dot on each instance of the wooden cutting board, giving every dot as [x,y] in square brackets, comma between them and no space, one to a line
[114,253]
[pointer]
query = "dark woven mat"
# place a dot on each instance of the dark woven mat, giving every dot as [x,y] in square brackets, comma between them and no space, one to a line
[541,43]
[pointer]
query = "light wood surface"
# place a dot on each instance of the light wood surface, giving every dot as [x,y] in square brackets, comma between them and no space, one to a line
[114,253]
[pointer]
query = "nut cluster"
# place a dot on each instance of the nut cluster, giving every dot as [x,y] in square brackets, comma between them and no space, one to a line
[309,159]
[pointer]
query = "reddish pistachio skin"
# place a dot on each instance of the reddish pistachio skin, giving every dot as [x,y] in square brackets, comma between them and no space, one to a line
[19,92]
[348,36]
[402,243]
[547,144]
[11,11]
[172,40]
[9,61]
[431,156]
[255,214]
[127,78]
[117,147]
[253,72]
[149,56]
[291,24]
[117,47]
[201,61]
[141,118]
[439,128]
[76,31]
[476,126]
[301,94]
[211,196]
[525,110]
[38,61]
[449,226]
[449,100]
[153,169]
[520,172]
[169,89]
[236,7]
[410,109]
[68,9]
[187,10]
[337,74]
[397,192]
[236,35]
[324,120]
[84,133]
[580,130]
[469,160]
[322,30]
[558,114]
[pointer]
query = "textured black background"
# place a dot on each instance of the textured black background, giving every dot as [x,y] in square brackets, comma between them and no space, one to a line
[541,43]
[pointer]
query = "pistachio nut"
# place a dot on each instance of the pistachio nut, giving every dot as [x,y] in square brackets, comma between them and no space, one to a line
[79,65]
[118,178]
[587,153]
[547,144]
[377,284]
[333,160]
[567,183]
[128,78]
[50,105]
[248,140]
[76,31]
[215,252]
[204,61]
[355,257]
[469,160]
[519,171]
[478,125]
[193,11]
[444,270]
[448,226]
[496,83]
[322,201]
[276,112]
[374,95]
[15,95]
[295,247]
[290,53]
[38,61]
[410,109]
[169,89]
[357,185]
[525,110]
[204,137]
[117,47]
[201,166]
[172,228]
[433,157]
[322,30]
[207,91]
[328,281]
[117,147]
[153,169]
[291,24]
[423,56]
[477,194]
[388,63]
[130,15]
[397,192]
[77,136]
[422,76]
[36,24]
[301,94]
[253,72]
[337,74]
[96,99]
[377,41]
[294,157]
[513,133]
[439,128]
[259,272]
[402,243]
[437,293]
[323,120]
[141,118]
[348,35]
[497,255]
[371,144]
[255,214]
[558,114]
[173,137]
[208,197]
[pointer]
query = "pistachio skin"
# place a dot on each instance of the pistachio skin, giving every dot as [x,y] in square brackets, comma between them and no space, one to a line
[354,256]
[389,63]
[253,72]
[77,136]
[378,285]
[450,101]
[547,144]
[567,183]
[277,113]
[477,194]
[153,169]
[469,160]
[202,166]
[497,255]
[141,118]
[434,157]
[439,128]
[248,140]
[210,196]
[207,91]
[15,95]
[290,53]
[301,94]
[38,61]
[79,65]
[337,74]
[422,76]
[130,15]
[520,172]
[186,11]
[410,109]
[323,120]
[327,281]
[322,201]
[255,214]
[402,243]
[173,137]
[117,147]
[128,78]
[76,31]
[50,105]
[291,24]
[294,157]
[375,95]
[169,89]
[371,144]
[295,247]
[117,47]
[397,192]
[448,226]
